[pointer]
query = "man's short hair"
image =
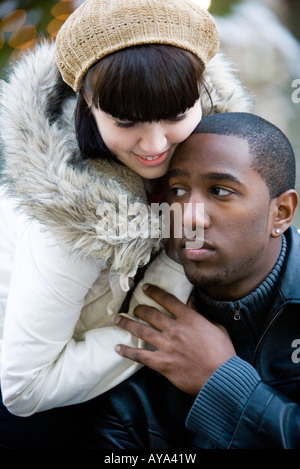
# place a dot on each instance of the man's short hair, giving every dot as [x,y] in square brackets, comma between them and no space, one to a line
[273,155]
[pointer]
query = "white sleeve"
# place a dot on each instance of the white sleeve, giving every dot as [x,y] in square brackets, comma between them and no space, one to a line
[167,274]
[41,364]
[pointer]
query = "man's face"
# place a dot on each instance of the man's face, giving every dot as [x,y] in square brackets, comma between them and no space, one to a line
[238,250]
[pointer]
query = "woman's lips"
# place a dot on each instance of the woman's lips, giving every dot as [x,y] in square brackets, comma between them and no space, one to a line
[152,160]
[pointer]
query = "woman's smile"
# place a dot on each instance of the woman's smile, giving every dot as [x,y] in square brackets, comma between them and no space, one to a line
[152,160]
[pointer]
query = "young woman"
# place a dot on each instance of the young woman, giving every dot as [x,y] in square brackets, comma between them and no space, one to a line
[135,75]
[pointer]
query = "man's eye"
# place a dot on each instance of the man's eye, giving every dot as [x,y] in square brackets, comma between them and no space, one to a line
[220,191]
[178,192]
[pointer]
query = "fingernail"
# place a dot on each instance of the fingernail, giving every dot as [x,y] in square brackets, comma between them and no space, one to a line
[118,348]
[117,319]
[145,286]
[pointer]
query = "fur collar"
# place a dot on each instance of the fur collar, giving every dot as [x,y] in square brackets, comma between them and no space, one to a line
[42,169]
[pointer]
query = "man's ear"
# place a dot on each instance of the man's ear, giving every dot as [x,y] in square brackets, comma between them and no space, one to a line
[285,206]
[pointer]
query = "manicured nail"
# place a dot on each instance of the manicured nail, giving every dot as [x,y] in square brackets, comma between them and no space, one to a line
[118,348]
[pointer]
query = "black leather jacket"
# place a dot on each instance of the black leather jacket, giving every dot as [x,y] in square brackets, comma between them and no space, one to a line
[147,412]
[272,416]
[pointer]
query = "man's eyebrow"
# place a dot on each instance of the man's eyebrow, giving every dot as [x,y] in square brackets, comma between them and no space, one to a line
[213,175]
[177,172]
[221,176]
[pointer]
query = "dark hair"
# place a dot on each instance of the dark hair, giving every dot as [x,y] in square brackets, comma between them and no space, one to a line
[144,83]
[273,155]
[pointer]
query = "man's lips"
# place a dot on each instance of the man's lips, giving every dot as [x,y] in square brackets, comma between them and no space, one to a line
[196,253]
[152,160]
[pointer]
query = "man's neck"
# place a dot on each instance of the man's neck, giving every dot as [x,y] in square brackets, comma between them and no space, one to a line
[244,287]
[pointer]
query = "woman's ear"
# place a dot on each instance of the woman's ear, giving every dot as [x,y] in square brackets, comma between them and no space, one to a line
[285,206]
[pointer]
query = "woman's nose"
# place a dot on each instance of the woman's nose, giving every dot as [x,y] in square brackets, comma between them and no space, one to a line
[153,140]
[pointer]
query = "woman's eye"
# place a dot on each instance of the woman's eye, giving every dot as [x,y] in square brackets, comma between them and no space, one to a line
[124,125]
[178,118]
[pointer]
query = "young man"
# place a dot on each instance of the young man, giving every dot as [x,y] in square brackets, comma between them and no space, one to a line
[232,360]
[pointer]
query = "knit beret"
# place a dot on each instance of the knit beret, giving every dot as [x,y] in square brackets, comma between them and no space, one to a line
[98,28]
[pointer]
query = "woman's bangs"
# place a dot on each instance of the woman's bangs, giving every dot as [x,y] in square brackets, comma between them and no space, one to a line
[147,83]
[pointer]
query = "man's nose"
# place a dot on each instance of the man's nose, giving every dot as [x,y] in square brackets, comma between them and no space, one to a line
[195,219]
[153,140]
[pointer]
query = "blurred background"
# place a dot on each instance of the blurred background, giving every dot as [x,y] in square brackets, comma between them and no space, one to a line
[261,38]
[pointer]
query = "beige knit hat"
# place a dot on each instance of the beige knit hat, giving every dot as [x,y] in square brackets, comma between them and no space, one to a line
[99,27]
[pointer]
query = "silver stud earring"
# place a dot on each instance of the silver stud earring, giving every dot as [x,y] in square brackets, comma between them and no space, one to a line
[277,231]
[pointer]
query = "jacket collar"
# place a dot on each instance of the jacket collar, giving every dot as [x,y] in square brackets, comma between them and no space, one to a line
[288,284]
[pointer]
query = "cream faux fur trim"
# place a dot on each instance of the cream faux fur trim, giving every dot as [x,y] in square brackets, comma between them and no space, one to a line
[43,171]
[226,91]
